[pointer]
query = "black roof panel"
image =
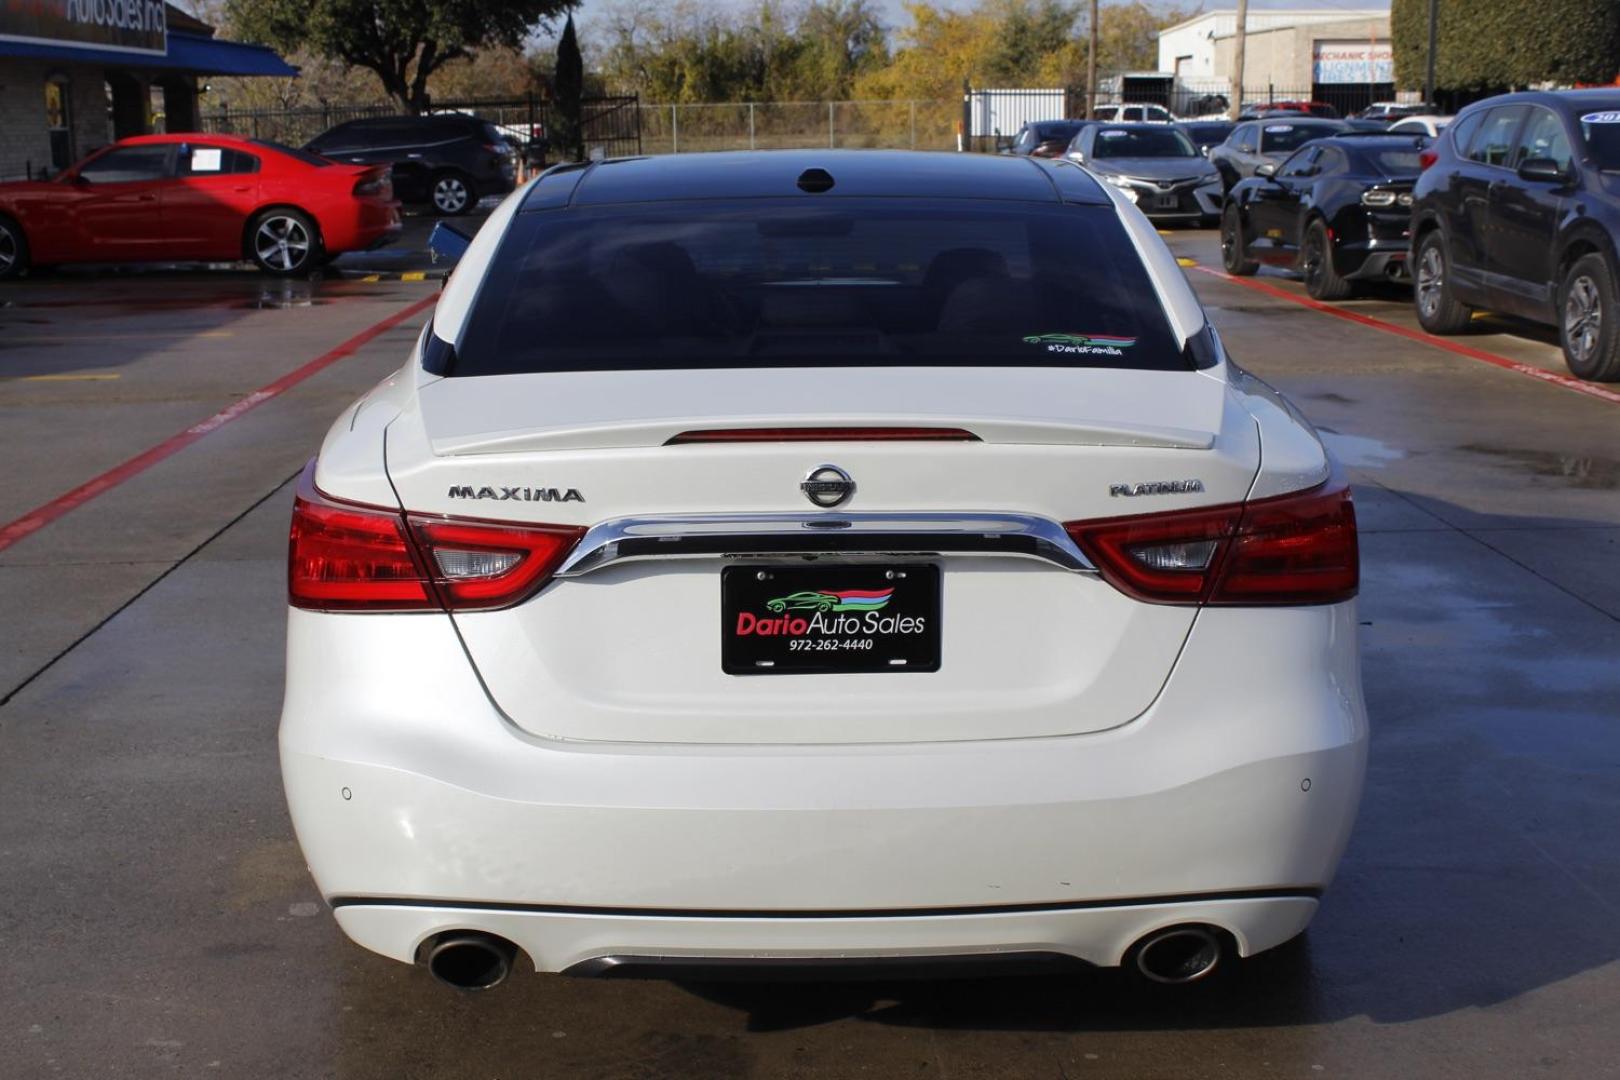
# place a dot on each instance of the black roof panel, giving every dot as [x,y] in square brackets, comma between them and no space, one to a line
[855,173]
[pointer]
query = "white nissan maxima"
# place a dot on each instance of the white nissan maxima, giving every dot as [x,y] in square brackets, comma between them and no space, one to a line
[820,559]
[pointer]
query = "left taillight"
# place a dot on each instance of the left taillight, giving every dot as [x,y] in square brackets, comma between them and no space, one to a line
[1294,549]
[351,557]
[381,184]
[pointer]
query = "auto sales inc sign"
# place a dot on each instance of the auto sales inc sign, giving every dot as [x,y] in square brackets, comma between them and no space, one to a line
[122,25]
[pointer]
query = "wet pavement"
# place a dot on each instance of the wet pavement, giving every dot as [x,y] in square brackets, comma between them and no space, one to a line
[156,919]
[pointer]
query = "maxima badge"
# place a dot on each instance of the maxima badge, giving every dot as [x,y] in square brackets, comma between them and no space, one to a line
[827,486]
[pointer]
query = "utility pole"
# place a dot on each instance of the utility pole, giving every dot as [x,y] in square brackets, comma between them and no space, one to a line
[1237,57]
[1091,67]
[1428,79]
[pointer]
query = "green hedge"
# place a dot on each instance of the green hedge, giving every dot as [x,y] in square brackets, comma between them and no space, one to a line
[1501,43]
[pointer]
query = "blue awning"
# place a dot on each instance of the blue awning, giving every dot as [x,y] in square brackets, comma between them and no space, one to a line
[189,53]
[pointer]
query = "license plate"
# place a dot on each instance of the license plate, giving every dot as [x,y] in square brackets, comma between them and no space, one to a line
[788,620]
[1164,202]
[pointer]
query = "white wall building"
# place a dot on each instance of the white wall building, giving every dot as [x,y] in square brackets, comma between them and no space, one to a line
[1190,49]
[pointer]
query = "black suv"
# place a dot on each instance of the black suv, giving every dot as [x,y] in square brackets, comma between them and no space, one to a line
[447,162]
[1517,210]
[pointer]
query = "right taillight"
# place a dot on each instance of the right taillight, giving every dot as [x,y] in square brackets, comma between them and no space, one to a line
[1294,549]
[350,557]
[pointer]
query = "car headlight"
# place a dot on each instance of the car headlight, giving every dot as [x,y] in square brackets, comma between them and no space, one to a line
[1122,183]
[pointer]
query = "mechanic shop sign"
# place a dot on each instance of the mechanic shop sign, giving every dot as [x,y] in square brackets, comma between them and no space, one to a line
[126,25]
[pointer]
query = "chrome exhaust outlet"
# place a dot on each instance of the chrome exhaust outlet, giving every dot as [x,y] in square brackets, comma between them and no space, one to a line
[470,959]
[1178,955]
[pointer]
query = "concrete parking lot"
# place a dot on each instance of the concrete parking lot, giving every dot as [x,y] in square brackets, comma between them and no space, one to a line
[156,918]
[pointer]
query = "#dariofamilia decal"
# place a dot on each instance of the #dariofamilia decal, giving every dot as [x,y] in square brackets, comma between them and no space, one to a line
[1099,344]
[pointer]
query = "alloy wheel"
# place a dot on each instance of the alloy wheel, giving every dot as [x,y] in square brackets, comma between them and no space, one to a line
[1310,259]
[1431,278]
[450,195]
[282,243]
[1229,240]
[1583,318]
[8,249]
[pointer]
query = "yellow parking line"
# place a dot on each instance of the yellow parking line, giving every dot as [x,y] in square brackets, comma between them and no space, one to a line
[91,377]
[1182,260]
[414,275]
[372,278]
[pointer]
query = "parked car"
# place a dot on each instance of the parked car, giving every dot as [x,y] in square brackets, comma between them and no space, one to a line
[1046,138]
[1338,211]
[445,162]
[538,703]
[1426,124]
[1207,133]
[1144,113]
[179,197]
[1256,142]
[1321,109]
[1390,111]
[1166,176]
[1516,212]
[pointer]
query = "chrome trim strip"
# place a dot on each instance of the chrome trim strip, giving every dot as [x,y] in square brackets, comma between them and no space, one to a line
[907,534]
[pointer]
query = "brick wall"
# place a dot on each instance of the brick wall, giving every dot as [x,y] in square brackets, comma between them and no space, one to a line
[24,140]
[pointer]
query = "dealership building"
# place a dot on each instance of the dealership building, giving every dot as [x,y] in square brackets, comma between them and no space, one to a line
[1340,54]
[78,74]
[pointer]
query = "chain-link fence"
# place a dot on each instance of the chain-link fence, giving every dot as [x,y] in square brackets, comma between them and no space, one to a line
[904,125]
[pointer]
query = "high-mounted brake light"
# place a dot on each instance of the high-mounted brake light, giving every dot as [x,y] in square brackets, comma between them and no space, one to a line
[823,434]
[1294,549]
[350,557]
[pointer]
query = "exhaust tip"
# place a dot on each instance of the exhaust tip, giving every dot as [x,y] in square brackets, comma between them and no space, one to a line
[1178,955]
[471,959]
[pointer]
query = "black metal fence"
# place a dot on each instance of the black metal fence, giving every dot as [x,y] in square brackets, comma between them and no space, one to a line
[611,126]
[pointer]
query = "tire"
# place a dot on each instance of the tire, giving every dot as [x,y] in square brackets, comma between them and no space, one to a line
[13,249]
[284,242]
[1234,251]
[1589,319]
[1438,311]
[1322,279]
[451,194]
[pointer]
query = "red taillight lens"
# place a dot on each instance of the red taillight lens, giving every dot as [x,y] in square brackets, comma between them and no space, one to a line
[477,565]
[1298,549]
[823,434]
[352,558]
[1295,549]
[1427,158]
[348,557]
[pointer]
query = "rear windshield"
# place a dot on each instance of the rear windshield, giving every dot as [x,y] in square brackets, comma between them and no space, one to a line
[1277,136]
[1143,142]
[849,283]
[1393,162]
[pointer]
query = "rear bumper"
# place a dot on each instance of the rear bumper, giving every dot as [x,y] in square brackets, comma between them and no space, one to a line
[419,809]
[606,944]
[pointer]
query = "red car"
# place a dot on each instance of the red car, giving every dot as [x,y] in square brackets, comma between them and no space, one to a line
[196,196]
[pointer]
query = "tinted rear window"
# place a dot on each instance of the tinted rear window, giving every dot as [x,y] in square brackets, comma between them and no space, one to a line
[849,283]
[1280,136]
[1402,162]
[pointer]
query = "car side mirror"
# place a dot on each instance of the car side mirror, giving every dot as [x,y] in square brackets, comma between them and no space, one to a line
[1245,148]
[447,244]
[79,180]
[1542,170]
[1204,150]
[1268,170]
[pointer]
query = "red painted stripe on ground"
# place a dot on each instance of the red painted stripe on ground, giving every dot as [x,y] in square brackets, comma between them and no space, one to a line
[37,519]
[1568,382]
